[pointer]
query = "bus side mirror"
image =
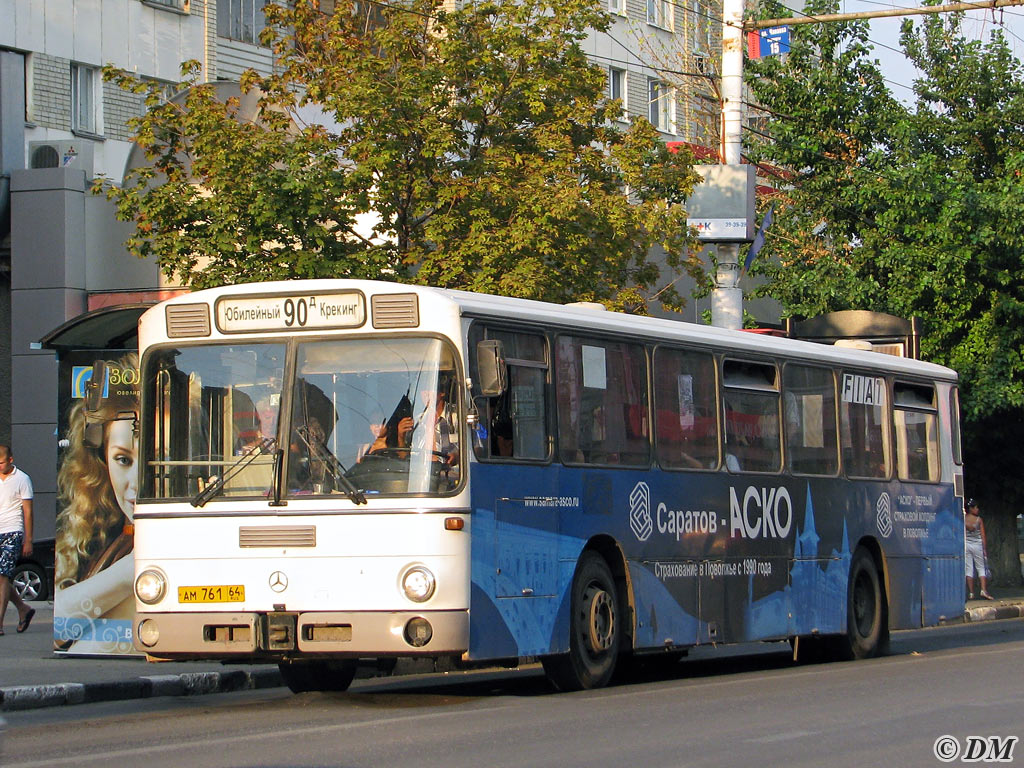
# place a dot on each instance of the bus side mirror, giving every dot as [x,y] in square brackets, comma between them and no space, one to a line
[93,436]
[490,367]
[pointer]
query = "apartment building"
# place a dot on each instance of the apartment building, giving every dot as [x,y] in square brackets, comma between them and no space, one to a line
[662,61]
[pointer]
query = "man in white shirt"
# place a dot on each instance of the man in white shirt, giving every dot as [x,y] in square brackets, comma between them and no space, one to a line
[434,433]
[15,533]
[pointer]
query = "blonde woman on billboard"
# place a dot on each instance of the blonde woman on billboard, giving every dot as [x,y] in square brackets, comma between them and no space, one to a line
[98,483]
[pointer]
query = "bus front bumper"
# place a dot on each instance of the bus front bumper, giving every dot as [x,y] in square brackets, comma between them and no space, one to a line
[286,634]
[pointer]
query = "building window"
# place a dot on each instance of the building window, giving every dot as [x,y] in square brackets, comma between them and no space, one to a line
[240,20]
[617,6]
[617,85]
[661,100]
[167,92]
[700,40]
[658,13]
[178,5]
[83,98]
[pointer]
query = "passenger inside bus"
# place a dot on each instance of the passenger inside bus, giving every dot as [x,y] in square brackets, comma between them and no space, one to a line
[307,471]
[433,431]
[502,429]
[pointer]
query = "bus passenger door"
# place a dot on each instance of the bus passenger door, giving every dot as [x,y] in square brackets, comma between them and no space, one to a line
[526,540]
[942,589]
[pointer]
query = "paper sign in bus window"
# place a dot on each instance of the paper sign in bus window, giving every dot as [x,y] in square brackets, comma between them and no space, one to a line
[684,383]
[524,403]
[812,418]
[595,374]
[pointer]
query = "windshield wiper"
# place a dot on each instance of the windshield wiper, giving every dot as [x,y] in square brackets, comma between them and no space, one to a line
[243,461]
[323,454]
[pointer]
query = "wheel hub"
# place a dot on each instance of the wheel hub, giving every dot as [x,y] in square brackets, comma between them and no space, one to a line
[863,606]
[601,620]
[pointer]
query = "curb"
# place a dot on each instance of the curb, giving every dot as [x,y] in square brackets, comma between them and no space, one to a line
[993,612]
[187,684]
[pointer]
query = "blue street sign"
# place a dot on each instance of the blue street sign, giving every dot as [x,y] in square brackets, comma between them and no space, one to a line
[774,41]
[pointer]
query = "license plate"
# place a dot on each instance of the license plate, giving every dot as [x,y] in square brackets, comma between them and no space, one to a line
[221,593]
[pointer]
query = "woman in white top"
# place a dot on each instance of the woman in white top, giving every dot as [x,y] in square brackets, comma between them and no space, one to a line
[977,555]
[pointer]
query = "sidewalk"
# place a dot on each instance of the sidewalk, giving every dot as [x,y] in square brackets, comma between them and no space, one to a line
[1008,604]
[32,676]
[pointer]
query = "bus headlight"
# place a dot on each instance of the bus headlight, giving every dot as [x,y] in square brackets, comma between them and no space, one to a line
[418,584]
[150,586]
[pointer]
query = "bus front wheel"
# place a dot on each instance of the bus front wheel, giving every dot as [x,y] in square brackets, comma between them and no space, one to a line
[595,629]
[865,614]
[303,676]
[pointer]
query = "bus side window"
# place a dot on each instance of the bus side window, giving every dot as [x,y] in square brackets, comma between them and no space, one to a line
[863,424]
[602,402]
[917,441]
[810,409]
[685,409]
[752,434]
[515,422]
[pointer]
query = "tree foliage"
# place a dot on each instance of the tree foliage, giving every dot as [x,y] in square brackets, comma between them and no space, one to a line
[908,208]
[472,148]
[912,209]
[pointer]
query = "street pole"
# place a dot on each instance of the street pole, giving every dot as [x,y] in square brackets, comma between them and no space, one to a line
[727,298]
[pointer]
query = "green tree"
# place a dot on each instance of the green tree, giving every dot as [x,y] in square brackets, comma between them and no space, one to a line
[479,142]
[911,209]
[222,198]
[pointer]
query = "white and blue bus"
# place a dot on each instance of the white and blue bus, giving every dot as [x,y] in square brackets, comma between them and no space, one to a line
[341,470]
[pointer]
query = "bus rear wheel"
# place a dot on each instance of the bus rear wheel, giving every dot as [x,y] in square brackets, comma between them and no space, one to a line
[865,612]
[320,675]
[595,629]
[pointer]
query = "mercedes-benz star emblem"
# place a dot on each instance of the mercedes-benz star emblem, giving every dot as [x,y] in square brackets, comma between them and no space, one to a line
[278,581]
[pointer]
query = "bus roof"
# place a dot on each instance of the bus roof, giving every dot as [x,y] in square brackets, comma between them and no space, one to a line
[584,318]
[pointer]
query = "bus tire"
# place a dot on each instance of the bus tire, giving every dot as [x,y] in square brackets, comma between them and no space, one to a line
[304,676]
[595,629]
[865,611]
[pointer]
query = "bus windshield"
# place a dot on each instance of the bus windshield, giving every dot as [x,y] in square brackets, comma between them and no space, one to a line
[384,409]
[373,416]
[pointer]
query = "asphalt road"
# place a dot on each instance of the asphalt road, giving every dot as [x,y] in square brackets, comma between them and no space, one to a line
[714,709]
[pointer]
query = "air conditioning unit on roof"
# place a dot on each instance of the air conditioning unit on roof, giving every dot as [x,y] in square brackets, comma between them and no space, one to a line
[65,153]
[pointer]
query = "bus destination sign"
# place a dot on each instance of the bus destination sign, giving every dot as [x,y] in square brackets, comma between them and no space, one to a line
[319,311]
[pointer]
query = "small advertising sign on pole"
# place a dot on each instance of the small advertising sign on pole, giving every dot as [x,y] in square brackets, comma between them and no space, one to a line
[721,207]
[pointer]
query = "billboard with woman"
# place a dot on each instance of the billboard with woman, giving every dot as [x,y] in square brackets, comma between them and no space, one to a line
[97,485]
